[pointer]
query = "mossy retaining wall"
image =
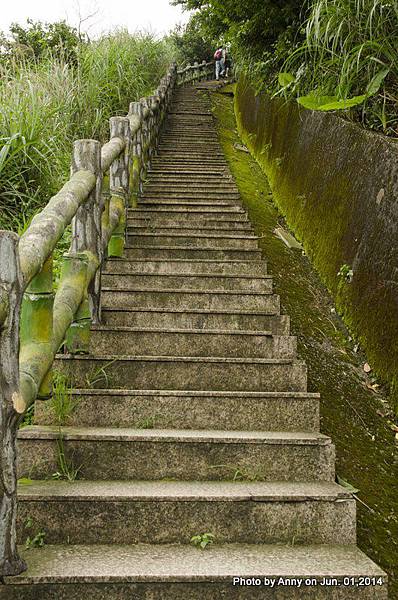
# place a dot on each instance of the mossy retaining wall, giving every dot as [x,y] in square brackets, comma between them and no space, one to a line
[337,186]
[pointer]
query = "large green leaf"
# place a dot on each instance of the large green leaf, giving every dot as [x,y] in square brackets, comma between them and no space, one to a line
[348,486]
[285,79]
[314,101]
[325,103]
[376,82]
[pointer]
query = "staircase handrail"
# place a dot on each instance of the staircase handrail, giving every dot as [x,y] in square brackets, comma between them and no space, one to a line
[34,322]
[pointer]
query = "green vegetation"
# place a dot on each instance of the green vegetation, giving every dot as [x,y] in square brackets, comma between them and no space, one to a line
[66,468]
[253,27]
[148,422]
[202,540]
[48,100]
[34,541]
[191,43]
[345,273]
[239,474]
[98,377]
[34,41]
[350,53]
[28,417]
[329,54]
[63,402]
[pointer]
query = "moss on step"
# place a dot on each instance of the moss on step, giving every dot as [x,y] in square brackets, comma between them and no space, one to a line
[350,411]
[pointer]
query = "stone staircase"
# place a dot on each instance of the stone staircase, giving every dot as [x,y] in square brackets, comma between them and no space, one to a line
[192,416]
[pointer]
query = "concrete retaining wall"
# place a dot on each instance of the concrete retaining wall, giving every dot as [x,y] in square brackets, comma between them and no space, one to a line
[337,186]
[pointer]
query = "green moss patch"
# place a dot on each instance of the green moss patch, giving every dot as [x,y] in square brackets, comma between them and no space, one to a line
[337,187]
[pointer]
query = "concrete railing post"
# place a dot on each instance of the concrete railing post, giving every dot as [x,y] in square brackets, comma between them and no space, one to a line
[137,147]
[11,404]
[119,181]
[87,224]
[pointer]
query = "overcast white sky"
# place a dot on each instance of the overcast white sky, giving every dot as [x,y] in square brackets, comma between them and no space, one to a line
[155,15]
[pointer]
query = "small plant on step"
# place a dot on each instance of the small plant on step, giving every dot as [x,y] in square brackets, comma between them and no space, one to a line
[100,376]
[37,541]
[202,540]
[239,474]
[66,469]
[63,403]
[28,417]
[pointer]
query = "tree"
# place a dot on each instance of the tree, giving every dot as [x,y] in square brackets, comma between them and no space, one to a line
[37,39]
[252,26]
[192,42]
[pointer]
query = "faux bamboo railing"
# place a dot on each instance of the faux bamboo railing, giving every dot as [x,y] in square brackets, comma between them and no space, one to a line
[34,322]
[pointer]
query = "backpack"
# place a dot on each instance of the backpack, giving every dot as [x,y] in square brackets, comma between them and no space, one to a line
[218,55]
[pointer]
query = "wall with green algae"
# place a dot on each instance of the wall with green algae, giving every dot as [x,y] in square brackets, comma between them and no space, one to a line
[337,186]
[351,413]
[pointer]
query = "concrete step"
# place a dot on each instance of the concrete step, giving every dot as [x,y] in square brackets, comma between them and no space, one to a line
[272,411]
[192,211]
[188,129]
[189,121]
[176,159]
[164,188]
[246,268]
[176,318]
[182,572]
[188,132]
[153,454]
[198,180]
[168,226]
[182,169]
[199,208]
[195,342]
[200,165]
[187,299]
[240,241]
[197,220]
[184,373]
[213,156]
[189,253]
[164,512]
[212,177]
[187,281]
[204,137]
[191,198]
[190,147]
[207,150]
[186,203]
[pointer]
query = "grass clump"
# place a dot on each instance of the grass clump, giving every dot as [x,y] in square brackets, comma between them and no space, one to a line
[350,54]
[49,102]
[67,470]
[63,403]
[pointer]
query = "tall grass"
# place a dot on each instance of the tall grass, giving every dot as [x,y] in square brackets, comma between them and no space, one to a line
[347,43]
[45,106]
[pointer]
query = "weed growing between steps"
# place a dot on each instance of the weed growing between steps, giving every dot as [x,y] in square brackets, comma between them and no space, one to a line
[63,403]
[239,474]
[36,540]
[202,540]
[352,413]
